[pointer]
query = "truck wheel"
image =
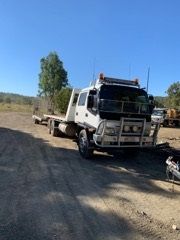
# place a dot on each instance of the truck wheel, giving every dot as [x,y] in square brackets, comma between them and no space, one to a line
[36,121]
[49,126]
[165,123]
[177,123]
[54,131]
[84,145]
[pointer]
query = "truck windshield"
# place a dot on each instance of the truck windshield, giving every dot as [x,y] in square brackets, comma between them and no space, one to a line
[122,99]
[158,112]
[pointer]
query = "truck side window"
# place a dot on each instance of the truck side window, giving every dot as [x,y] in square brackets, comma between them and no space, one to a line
[75,99]
[82,99]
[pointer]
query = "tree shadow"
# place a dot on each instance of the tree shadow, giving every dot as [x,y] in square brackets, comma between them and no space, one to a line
[52,193]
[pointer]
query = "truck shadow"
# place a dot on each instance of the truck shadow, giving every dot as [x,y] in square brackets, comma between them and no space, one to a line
[49,192]
[151,163]
[144,167]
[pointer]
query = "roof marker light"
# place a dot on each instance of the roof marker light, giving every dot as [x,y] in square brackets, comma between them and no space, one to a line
[101,76]
[136,81]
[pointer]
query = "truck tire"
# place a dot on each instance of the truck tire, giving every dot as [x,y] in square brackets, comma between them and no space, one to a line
[84,145]
[54,130]
[177,123]
[36,121]
[165,123]
[49,126]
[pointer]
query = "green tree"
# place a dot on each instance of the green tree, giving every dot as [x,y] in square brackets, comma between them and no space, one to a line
[174,95]
[62,99]
[160,102]
[52,77]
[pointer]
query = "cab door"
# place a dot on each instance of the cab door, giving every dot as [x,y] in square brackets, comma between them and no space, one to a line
[80,112]
[85,114]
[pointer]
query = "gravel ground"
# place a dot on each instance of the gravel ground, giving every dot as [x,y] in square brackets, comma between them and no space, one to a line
[47,191]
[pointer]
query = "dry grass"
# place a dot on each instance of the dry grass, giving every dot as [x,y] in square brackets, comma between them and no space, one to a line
[8,107]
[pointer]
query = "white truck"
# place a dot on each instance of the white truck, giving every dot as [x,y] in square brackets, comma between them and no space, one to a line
[166,117]
[158,115]
[110,115]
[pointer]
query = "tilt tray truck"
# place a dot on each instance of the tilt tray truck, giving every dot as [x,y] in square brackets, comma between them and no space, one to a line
[110,115]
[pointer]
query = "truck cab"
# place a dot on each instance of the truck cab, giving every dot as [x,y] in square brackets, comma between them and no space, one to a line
[158,115]
[114,113]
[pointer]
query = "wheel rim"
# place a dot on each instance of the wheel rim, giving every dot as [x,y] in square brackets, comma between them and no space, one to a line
[52,128]
[82,145]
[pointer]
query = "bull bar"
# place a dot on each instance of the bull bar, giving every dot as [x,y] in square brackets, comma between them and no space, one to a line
[122,134]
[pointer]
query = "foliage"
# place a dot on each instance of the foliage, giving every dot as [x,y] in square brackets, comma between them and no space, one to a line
[1,99]
[15,99]
[174,95]
[53,77]
[15,102]
[62,99]
[160,102]
[7,100]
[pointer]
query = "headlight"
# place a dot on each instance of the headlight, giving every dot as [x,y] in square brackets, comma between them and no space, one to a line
[126,128]
[100,128]
[110,131]
[135,128]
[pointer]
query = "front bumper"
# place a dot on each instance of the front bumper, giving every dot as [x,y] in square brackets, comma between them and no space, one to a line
[122,139]
[156,120]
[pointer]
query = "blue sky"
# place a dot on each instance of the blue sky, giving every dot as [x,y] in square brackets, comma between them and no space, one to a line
[120,38]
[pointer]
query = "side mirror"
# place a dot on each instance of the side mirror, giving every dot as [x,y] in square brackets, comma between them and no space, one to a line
[90,101]
[151,98]
[151,102]
[93,92]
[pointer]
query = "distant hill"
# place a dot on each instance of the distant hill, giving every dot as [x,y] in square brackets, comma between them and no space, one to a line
[16,98]
[26,100]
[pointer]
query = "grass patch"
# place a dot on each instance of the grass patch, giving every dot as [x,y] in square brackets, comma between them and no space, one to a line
[13,107]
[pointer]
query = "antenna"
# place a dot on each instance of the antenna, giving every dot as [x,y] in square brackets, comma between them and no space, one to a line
[93,72]
[148,79]
[94,68]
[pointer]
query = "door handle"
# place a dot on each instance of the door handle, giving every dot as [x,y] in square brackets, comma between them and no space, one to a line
[76,113]
[86,115]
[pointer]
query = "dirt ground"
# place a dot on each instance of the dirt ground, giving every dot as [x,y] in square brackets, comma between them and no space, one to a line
[47,191]
[170,135]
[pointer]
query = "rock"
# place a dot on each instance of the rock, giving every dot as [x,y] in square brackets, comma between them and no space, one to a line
[174,227]
[143,213]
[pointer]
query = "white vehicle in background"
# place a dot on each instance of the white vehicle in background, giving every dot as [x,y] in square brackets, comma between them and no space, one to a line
[166,117]
[110,115]
[158,115]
